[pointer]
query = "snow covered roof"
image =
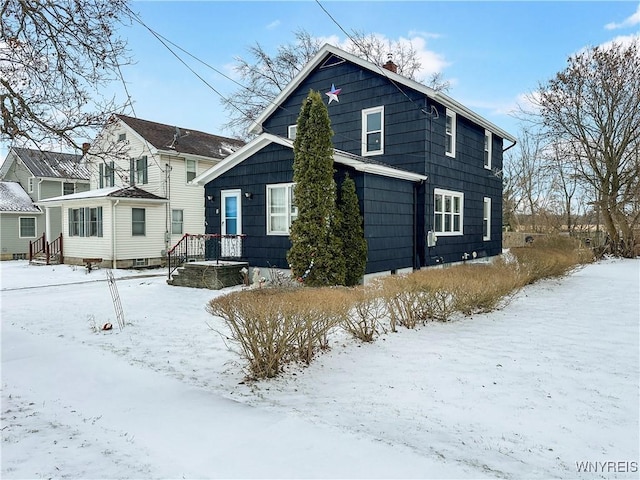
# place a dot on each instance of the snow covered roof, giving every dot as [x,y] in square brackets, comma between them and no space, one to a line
[52,164]
[182,140]
[131,192]
[13,198]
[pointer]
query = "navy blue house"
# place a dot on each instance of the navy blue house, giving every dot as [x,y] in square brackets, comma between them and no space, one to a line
[426,168]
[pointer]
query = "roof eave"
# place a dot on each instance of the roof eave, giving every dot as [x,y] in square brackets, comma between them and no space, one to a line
[256,126]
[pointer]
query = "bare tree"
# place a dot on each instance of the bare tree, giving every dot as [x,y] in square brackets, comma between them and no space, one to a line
[594,105]
[264,75]
[56,57]
[527,182]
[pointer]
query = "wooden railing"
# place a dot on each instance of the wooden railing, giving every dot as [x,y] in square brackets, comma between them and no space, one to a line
[37,246]
[47,250]
[208,246]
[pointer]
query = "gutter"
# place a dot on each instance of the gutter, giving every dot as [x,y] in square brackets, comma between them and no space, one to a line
[113,233]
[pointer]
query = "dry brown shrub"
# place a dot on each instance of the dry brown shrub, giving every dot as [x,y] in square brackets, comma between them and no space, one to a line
[553,256]
[272,327]
[404,299]
[482,288]
[367,310]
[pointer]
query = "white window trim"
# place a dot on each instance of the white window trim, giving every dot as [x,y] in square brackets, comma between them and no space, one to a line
[292,130]
[454,121]
[35,228]
[289,187]
[175,223]
[451,193]
[488,148]
[186,170]
[365,113]
[486,215]
[143,224]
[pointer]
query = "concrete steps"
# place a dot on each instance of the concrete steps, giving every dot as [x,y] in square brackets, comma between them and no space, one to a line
[212,275]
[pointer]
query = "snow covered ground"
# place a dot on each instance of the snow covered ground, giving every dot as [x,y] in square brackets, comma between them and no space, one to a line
[545,388]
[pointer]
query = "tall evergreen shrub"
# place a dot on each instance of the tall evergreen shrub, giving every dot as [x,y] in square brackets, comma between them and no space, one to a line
[354,245]
[315,256]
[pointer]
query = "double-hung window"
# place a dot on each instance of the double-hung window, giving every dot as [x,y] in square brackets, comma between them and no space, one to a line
[27,227]
[85,222]
[142,176]
[486,219]
[177,217]
[107,174]
[448,212]
[191,170]
[291,132]
[450,133]
[138,222]
[281,208]
[487,149]
[373,131]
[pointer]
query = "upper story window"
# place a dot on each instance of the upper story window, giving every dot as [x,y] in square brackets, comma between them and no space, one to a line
[138,222]
[448,212]
[291,132]
[487,149]
[30,184]
[27,227]
[191,170]
[486,219]
[450,134]
[140,170]
[107,174]
[373,131]
[122,137]
[281,208]
[68,188]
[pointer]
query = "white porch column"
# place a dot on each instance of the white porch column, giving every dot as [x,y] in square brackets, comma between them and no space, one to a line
[47,225]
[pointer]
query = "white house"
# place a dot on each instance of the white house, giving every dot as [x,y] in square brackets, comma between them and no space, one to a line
[142,199]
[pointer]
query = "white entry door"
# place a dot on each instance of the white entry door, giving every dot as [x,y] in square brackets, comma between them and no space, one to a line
[231,226]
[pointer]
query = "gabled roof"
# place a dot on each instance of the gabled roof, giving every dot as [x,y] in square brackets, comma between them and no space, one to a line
[13,198]
[45,164]
[328,50]
[114,193]
[361,164]
[183,140]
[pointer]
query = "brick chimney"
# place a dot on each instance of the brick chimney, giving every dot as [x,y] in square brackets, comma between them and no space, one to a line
[392,67]
[85,148]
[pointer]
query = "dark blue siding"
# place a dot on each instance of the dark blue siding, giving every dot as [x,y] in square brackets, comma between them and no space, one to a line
[397,214]
[387,207]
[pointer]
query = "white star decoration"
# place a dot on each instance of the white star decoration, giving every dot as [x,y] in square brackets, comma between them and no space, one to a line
[333,93]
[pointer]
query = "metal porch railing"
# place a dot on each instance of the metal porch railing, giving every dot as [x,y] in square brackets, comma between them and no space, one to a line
[204,247]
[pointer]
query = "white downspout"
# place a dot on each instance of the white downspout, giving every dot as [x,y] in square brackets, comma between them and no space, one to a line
[113,233]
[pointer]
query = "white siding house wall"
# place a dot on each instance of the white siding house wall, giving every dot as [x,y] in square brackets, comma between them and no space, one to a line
[87,247]
[152,243]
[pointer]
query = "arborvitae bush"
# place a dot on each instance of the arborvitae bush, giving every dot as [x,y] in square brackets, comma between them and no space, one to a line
[315,255]
[351,232]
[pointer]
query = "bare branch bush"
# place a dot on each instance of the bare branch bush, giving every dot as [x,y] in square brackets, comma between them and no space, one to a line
[364,320]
